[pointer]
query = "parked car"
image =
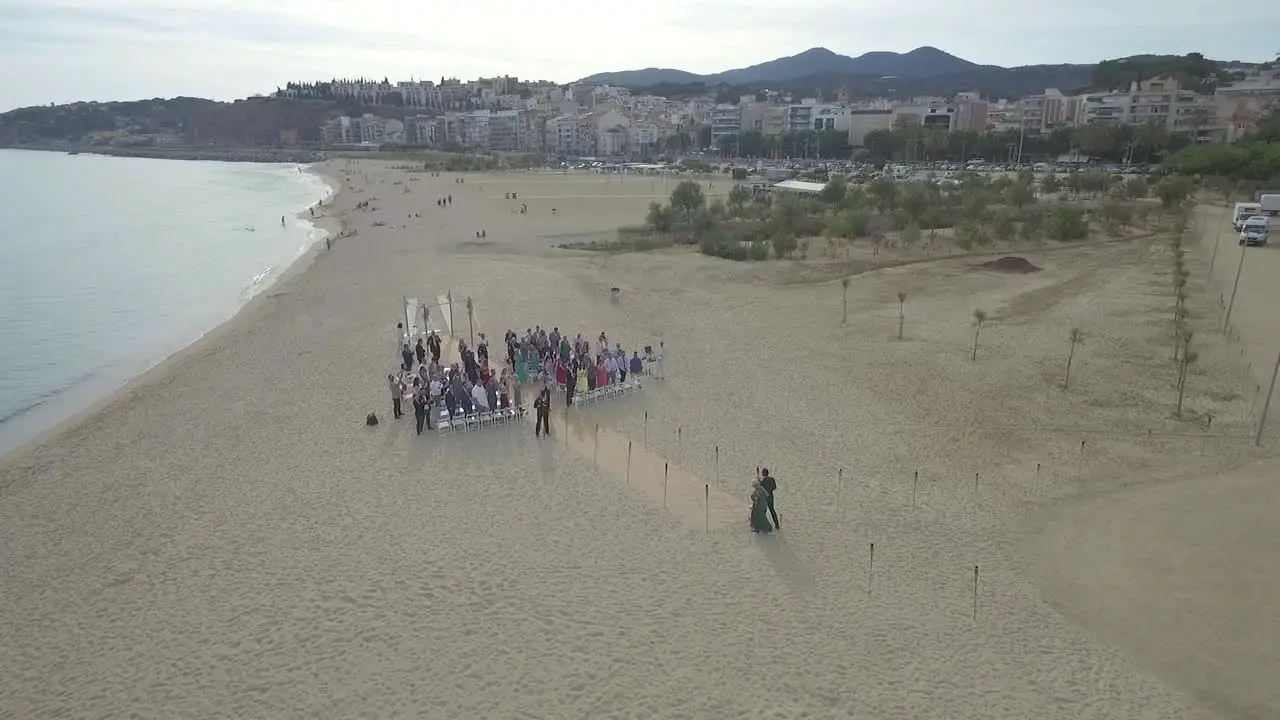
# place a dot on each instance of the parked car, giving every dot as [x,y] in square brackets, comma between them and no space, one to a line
[1255,231]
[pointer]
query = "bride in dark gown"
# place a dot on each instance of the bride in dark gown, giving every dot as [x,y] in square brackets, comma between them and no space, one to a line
[760,509]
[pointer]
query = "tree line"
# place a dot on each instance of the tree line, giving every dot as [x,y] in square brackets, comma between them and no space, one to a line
[977,212]
[1254,159]
[1111,143]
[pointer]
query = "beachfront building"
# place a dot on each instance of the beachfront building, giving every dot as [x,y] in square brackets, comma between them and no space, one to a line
[643,139]
[571,135]
[725,120]
[420,130]
[1049,111]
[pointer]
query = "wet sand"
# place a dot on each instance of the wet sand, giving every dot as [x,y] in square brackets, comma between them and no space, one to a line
[227,538]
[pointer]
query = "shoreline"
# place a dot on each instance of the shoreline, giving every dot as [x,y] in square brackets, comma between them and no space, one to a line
[329,227]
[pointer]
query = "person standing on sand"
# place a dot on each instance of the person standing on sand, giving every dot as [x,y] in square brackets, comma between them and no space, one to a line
[407,355]
[542,406]
[759,507]
[770,485]
[420,352]
[397,392]
[433,344]
[420,408]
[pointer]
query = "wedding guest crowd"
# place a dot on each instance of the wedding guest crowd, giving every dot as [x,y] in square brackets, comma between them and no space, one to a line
[473,384]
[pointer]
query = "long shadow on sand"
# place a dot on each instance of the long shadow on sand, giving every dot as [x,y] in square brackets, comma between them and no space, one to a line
[790,569]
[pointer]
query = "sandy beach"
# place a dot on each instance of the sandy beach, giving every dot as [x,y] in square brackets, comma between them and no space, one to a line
[227,539]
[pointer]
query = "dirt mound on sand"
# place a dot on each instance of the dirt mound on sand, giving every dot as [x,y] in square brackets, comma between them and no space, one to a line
[1010,264]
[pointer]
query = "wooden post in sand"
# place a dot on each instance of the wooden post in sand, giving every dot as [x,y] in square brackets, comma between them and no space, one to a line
[1266,405]
[679,441]
[1227,321]
[975,592]
[595,458]
[1216,238]
[915,481]
[871,567]
[975,490]
[646,427]
[1080,466]
[706,508]
[628,463]
[665,468]
[717,477]
[839,482]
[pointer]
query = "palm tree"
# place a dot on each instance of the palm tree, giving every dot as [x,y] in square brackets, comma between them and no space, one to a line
[844,300]
[979,317]
[902,298]
[1076,336]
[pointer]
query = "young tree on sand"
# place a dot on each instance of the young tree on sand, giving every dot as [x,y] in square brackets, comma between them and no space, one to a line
[902,298]
[844,300]
[1076,336]
[1189,358]
[687,198]
[659,218]
[979,317]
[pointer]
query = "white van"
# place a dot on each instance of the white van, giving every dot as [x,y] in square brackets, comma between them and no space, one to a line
[1255,231]
[1243,211]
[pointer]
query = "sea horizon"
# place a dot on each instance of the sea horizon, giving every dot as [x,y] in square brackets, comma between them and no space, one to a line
[114,264]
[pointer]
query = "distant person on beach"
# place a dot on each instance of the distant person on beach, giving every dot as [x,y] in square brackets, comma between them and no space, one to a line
[759,508]
[397,392]
[433,344]
[770,485]
[542,406]
[420,352]
[407,355]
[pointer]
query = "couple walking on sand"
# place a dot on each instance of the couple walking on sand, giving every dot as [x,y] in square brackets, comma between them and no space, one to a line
[762,490]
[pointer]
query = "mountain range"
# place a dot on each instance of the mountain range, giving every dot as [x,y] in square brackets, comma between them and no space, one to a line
[925,70]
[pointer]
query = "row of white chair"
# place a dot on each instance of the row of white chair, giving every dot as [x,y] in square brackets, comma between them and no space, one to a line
[630,385]
[478,419]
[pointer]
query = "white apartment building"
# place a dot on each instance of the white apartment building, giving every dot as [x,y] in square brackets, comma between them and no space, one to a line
[571,135]
[1049,111]
[644,138]
[420,130]
[1106,108]
[475,129]
[829,118]
[725,120]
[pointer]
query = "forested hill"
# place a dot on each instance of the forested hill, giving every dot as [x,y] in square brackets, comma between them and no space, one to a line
[255,122]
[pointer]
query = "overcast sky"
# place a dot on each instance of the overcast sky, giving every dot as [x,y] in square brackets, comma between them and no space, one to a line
[66,50]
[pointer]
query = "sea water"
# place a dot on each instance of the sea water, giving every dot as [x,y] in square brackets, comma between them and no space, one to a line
[108,265]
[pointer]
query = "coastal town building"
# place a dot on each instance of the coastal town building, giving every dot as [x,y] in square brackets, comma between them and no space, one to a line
[593,119]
